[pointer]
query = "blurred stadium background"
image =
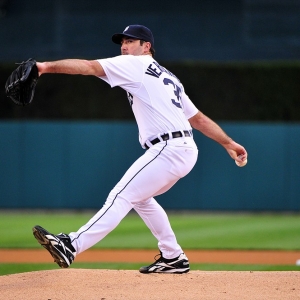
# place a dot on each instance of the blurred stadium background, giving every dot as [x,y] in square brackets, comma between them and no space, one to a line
[198,30]
[57,155]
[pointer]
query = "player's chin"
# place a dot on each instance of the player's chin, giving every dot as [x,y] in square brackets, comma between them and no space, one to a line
[124,53]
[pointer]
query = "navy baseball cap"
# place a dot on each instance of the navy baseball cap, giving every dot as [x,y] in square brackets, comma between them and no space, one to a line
[138,32]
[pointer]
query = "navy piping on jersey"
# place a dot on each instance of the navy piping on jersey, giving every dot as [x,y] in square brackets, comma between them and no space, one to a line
[121,192]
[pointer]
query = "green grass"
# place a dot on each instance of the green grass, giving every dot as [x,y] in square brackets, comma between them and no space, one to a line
[193,231]
[20,268]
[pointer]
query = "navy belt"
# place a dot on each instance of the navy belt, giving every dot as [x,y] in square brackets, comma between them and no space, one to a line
[165,137]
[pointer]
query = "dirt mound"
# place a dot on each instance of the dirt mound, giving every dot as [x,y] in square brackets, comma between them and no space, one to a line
[119,284]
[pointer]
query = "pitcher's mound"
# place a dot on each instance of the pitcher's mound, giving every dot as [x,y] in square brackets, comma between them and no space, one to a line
[84,284]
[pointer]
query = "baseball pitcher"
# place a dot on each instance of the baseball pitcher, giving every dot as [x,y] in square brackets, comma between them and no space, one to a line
[165,117]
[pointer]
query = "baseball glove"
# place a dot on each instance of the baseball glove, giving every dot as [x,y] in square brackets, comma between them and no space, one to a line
[20,85]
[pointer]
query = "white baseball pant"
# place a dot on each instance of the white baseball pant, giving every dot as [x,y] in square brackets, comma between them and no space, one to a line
[155,172]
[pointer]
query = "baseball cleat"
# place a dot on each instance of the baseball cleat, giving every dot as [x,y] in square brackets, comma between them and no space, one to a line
[59,246]
[177,265]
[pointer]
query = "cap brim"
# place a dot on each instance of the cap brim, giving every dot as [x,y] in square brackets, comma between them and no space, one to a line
[117,37]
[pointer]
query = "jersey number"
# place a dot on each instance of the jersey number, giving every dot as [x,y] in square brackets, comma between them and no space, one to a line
[177,92]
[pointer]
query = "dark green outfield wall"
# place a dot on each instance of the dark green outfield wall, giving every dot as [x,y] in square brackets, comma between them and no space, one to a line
[266,91]
[76,164]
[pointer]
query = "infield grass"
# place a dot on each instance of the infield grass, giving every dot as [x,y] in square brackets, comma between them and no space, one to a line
[20,268]
[193,230]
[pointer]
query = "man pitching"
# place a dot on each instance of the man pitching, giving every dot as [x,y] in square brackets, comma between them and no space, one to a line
[165,116]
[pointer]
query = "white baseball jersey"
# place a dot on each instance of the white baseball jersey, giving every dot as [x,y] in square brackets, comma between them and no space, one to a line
[157,97]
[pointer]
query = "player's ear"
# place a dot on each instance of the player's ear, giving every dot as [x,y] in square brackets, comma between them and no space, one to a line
[147,46]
